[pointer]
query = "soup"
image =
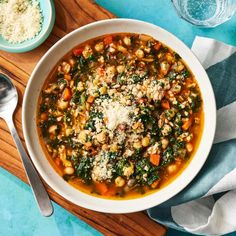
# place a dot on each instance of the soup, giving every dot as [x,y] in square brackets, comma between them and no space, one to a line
[120,116]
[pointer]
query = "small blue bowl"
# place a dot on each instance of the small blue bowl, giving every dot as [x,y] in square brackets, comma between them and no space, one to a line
[48,13]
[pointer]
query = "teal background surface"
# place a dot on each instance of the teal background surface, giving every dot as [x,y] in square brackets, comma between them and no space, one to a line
[19,213]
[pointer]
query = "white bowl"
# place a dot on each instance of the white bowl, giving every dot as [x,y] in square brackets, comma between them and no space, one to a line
[41,72]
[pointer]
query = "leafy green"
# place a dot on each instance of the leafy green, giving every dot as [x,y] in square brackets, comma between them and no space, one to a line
[83,168]
[144,167]
[168,156]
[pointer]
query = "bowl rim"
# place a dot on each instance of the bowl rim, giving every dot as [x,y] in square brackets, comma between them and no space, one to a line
[38,39]
[142,203]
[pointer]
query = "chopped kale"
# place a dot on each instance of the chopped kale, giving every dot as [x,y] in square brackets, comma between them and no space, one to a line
[83,168]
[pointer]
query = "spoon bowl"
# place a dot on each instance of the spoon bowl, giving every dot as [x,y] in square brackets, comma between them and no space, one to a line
[8,95]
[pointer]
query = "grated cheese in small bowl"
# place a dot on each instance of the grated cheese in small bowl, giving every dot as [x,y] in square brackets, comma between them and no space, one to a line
[20,20]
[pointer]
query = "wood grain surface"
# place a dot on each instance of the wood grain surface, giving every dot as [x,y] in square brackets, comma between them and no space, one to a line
[70,14]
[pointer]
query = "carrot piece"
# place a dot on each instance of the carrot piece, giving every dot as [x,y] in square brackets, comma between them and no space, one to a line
[67,94]
[111,192]
[90,99]
[187,123]
[43,116]
[155,159]
[108,40]
[58,161]
[67,77]
[78,51]
[155,183]
[101,187]
[165,104]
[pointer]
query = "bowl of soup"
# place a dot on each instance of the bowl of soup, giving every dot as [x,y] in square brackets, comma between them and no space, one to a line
[119,116]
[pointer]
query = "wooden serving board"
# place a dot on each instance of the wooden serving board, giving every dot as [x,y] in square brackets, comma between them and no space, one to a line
[70,14]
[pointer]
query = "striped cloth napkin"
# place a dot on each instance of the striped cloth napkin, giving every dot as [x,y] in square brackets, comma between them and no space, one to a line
[207,206]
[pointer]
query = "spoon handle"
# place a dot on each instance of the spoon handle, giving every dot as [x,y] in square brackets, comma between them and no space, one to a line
[39,190]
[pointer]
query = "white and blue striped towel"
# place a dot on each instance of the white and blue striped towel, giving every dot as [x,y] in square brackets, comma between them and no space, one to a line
[207,206]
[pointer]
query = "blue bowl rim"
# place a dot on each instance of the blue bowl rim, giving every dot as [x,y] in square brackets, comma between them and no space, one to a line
[16,48]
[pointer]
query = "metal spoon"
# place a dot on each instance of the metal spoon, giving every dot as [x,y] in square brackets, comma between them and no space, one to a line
[8,102]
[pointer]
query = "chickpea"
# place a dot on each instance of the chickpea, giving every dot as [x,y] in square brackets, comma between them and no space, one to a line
[62,104]
[96,81]
[120,68]
[69,170]
[110,71]
[121,49]
[99,47]
[52,129]
[169,58]
[145,141]
[164,143]
[105,147]
[119,181]
[137,145]
[114,147]
[128,170]
[139,53]
[72,62]
[127,41]
[87,52]
[137,125]
[68,131]
[180,66]
[189,147]
[103,90]
[165,66]
[101,137]
[66,67]
[171,169]
[80,86]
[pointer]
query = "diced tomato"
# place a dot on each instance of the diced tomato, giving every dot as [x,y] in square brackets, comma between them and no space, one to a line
[77,51]
[67,94]
[90,99]
[165,104]
[108,40]
[155,159]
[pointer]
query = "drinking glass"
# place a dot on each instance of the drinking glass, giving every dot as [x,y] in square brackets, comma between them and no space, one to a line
[205,13]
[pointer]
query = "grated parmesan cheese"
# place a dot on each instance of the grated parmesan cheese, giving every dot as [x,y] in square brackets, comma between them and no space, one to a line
[19,20]
[116,114]
[102,170]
